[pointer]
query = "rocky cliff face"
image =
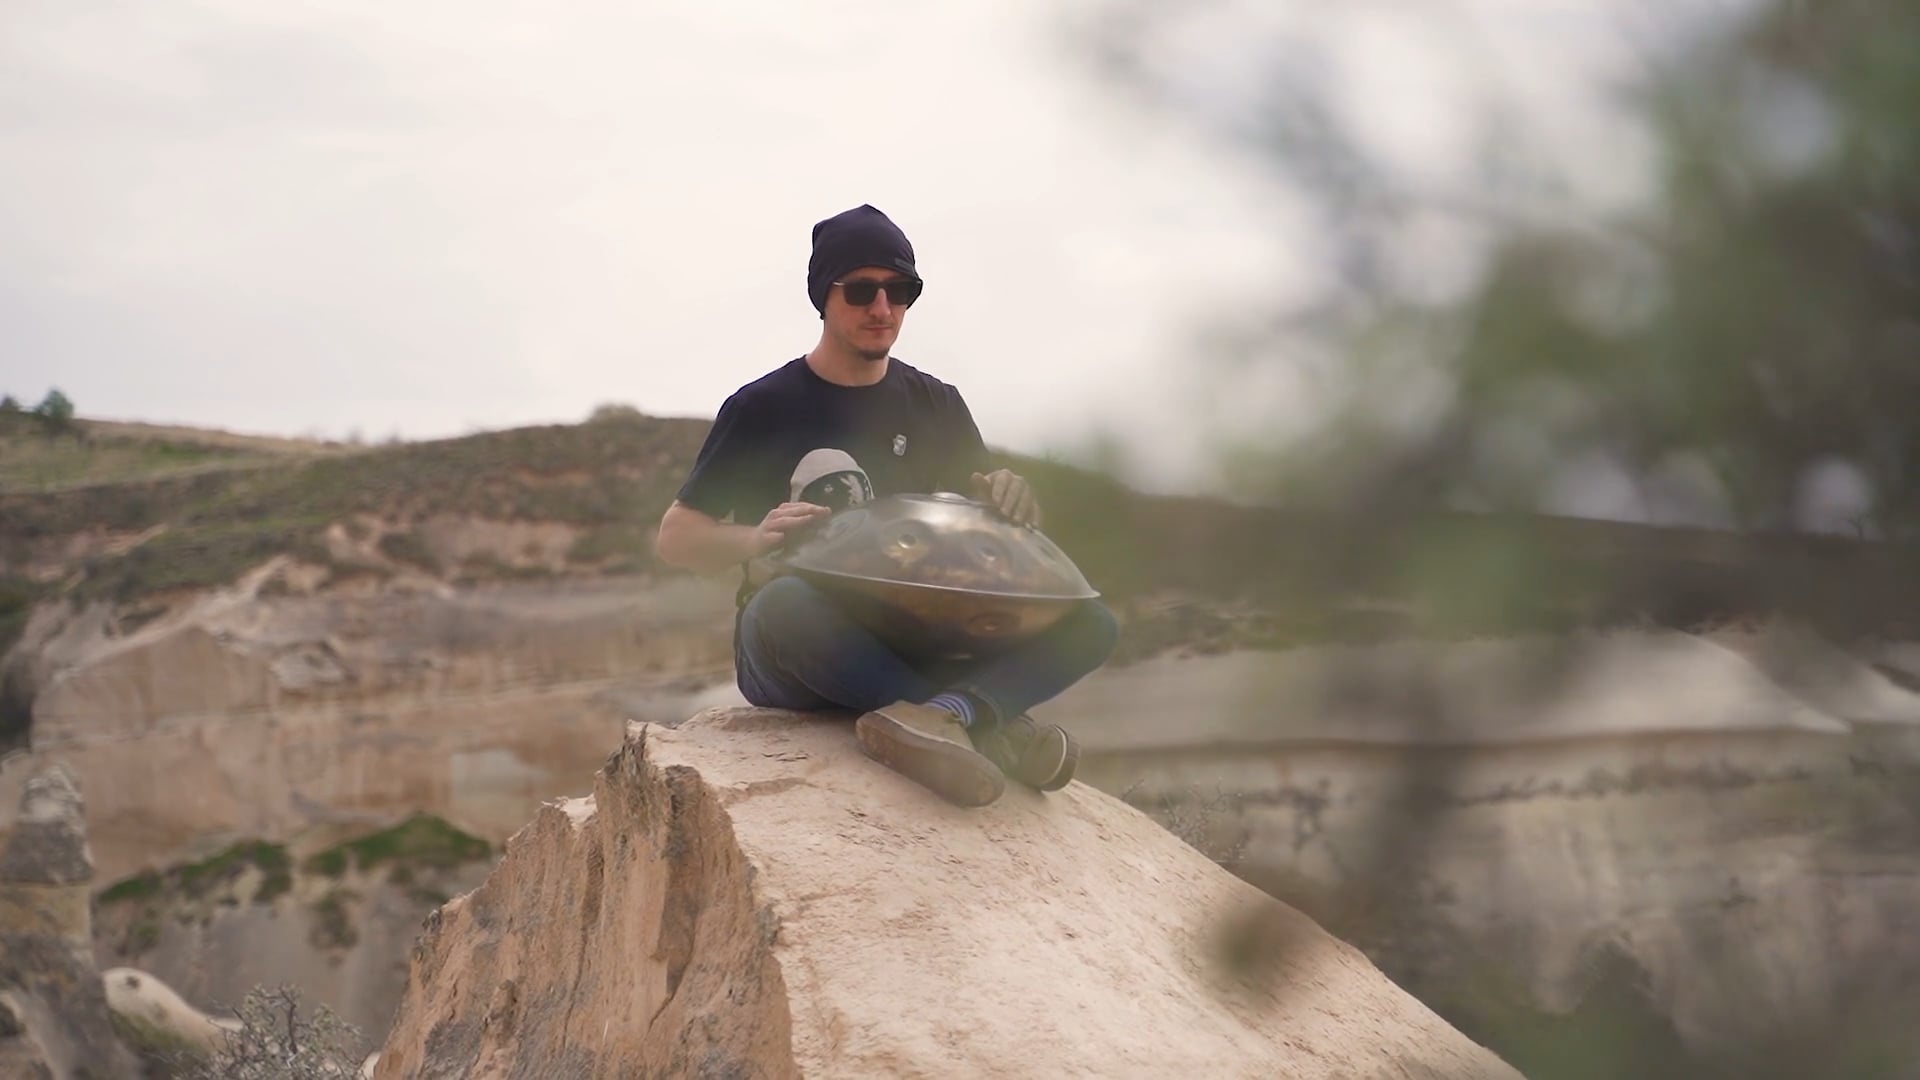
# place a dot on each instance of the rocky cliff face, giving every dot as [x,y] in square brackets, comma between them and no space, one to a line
[1582,788]
[1686,857]
[749,896]
[335,920]
[260,713]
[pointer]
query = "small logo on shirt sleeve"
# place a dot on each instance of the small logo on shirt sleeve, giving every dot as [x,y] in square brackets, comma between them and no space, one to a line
[899,446]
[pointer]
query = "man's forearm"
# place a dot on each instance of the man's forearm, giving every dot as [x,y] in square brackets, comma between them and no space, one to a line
[705,547]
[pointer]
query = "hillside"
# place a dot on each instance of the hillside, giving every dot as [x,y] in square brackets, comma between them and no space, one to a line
[147,512]
[118,451]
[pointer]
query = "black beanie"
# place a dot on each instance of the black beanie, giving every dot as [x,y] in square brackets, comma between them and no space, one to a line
[847,241]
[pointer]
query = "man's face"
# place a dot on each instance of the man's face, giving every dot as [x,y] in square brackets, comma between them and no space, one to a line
[868,332]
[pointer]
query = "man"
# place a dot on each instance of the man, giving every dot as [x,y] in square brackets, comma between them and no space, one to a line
[839,426]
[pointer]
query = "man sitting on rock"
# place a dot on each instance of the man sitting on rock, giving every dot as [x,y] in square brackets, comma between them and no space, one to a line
[839,426]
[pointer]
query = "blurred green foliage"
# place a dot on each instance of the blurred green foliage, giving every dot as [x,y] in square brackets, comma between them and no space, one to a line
[1739,349]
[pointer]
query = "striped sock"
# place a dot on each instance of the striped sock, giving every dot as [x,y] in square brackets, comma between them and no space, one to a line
[956,703]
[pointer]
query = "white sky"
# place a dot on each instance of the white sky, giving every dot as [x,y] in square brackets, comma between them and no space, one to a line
[428,218]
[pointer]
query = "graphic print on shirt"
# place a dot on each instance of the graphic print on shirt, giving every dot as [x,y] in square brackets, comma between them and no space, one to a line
[831,478]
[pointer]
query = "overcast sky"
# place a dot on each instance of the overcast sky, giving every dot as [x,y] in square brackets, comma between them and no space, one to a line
[427,218]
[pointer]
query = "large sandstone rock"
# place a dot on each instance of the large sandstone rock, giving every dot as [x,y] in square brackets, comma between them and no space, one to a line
[748,896]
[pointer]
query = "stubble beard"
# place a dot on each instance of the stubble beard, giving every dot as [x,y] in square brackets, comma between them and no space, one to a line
[860,349]
[868,353]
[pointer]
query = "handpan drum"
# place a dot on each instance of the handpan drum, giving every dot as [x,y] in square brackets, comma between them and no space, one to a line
[939,575]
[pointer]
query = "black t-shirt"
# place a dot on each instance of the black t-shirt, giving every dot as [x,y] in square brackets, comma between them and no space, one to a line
[791,436]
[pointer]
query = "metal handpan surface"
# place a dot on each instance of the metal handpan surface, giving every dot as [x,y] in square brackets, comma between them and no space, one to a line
[940,574]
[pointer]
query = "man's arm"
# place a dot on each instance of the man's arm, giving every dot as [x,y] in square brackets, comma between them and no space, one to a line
[696,541]
[1003,489]
[694,534]
[1008,492]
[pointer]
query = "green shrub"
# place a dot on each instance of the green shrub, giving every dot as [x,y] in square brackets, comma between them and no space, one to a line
[141,886]
[421,841]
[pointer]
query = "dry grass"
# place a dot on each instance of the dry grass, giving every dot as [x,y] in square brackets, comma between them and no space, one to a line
[215,517]
[212,437]
[110,452]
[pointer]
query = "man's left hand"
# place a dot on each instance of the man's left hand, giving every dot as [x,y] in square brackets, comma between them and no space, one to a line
[1009,493]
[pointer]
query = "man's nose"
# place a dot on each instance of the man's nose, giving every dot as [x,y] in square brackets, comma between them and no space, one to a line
[879,306]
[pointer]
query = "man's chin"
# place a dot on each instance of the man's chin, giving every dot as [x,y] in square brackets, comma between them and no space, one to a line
[871,355]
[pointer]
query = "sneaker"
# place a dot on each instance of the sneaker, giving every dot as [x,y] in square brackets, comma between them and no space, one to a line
[929,745]
[1041,756]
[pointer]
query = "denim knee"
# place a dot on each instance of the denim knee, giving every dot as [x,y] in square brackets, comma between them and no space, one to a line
[776,612]
[783,605]
[1096,630]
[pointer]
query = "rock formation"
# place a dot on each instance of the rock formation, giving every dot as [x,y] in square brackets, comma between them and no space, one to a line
[54,1019]
[156,1017]
[747,896]
[249,714]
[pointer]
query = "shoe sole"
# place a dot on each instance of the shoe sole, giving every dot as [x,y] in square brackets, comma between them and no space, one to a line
[956,773]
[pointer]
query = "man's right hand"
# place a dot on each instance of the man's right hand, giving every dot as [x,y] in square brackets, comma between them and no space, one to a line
[785,521]
[693,540]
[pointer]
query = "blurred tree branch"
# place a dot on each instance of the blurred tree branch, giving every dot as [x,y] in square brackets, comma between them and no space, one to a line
[1738,349]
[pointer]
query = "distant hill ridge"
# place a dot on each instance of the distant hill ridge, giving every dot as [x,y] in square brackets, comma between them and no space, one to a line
[194,509]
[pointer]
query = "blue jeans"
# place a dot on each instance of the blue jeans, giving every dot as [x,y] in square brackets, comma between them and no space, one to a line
[793,648]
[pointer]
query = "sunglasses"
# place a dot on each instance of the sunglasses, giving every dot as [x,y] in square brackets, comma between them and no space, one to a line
[901,292]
